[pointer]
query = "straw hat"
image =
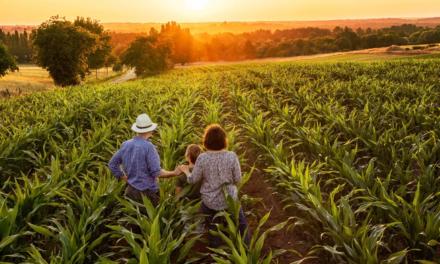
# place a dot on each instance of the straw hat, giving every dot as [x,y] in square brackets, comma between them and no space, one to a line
[143,124]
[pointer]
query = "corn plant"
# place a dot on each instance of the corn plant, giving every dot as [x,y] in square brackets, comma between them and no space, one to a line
[162,236]
[353,146]
[238,249]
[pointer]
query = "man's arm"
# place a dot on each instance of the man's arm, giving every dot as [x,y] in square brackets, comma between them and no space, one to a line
[115,165]
[164,174]
[153,161]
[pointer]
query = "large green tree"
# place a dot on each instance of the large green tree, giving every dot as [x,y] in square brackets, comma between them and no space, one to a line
[101,55]
[64,49]
[7,62]
[147,55]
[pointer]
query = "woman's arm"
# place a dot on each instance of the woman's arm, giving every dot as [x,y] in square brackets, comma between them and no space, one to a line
[236,170]
[196,174]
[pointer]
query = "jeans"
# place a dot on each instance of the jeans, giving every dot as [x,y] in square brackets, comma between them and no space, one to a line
[211,222]
[137,195]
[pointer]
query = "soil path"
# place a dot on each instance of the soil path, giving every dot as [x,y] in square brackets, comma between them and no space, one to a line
[129,75]
[285,239]
[262,190]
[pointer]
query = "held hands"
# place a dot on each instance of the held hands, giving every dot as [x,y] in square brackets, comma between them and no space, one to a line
[177,171]
[164,174]
[184,169]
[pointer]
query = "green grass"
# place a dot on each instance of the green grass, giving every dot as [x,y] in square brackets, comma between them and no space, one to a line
[31,78]
[352,147]
[27,80]
[372,57]
[354,57]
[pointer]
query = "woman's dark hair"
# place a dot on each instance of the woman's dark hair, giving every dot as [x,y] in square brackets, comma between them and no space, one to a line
[215,138]
[193,151]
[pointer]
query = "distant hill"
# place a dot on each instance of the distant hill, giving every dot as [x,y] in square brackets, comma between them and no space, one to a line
[240,27]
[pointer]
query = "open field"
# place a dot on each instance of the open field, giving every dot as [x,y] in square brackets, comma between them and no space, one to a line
[367,55]
[351,150]
[31,78]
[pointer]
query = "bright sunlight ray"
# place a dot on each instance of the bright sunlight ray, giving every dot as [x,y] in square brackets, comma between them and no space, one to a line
[196,5]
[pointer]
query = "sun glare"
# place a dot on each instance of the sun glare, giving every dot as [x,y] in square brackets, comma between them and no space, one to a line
[196,5]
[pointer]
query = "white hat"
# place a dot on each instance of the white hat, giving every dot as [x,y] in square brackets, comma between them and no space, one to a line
[143,124]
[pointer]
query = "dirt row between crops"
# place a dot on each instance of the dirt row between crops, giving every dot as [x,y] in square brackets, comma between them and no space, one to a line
[261,190]
[287,239]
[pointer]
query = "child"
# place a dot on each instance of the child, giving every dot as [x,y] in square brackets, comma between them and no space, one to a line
[193,190]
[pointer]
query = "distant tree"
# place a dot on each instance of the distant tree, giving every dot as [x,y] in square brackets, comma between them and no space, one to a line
[63,49]
[360,31]
[19,45]
[118,66]
[325,44]
[110,61]
[249,50]
[338,30]
[154,33]
[180,41]
[370,41]
[414,37]
[2,36]
[7,62]
[148,56]
[347,39]
[99,57]
[429,36]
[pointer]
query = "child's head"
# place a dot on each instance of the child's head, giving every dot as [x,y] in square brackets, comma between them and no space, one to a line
[192,153]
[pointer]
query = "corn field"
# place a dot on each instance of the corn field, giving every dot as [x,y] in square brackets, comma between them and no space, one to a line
[352,149]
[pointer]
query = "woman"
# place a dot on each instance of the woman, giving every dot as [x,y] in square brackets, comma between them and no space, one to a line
[219,171]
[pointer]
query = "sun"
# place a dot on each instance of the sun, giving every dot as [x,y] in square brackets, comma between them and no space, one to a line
[196,5]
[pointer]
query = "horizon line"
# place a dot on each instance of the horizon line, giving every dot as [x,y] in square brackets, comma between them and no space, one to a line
[240,21]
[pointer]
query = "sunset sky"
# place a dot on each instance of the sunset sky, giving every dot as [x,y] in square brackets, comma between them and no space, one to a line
[35,11]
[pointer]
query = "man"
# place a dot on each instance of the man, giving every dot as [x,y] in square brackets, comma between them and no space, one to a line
[137,163]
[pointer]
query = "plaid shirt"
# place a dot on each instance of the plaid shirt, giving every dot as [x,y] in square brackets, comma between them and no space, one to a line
[138,159]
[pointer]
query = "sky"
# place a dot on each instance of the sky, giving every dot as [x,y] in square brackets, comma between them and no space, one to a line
[32,12]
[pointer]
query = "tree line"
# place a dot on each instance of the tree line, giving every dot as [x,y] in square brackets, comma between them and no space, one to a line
[279,43]
[307,41]
[14,47]
[159,50]
[71,49]
[19,45]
